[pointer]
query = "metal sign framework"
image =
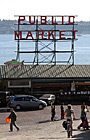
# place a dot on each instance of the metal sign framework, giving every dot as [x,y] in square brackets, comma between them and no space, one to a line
[46,47]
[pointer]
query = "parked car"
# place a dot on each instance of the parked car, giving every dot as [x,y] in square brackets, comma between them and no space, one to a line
[51,99]
[4,96]
[48,98]
[26,101]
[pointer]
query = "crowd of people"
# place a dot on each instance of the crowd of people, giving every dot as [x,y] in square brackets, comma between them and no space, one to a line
[69,113]
[65,114]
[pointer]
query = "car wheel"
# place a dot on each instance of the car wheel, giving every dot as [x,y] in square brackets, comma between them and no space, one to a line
[40,106]
[18,107]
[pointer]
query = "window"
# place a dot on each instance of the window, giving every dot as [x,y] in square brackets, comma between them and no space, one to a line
[34,99]
[19,84]
[19,99]
[27,99]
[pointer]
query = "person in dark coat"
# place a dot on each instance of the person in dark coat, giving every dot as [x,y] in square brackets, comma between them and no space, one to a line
[62,111]
[13,116]
[52,113]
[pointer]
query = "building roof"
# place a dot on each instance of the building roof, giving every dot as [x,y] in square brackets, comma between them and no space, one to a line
[45,71]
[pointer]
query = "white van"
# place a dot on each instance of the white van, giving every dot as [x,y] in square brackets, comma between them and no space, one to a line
[51,99]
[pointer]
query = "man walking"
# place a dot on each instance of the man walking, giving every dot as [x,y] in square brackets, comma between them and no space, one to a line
[13,119]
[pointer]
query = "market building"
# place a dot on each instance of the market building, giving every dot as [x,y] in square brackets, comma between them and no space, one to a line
[60,80]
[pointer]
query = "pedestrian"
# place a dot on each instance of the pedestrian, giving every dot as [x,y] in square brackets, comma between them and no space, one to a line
[86,109]
[68,113]
[82,106]
[13,117]
[83,117]
[52,112]
[62,111]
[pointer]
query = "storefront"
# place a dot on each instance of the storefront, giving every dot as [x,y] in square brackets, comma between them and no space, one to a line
[62,81]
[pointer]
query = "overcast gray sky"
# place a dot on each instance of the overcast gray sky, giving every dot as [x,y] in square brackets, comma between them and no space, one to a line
[9,8]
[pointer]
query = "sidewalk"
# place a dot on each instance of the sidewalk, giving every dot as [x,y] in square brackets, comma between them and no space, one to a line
[48,131]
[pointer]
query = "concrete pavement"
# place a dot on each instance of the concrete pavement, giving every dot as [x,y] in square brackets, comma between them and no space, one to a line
[42,128]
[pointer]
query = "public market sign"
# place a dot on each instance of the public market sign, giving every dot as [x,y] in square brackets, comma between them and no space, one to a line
[45,33]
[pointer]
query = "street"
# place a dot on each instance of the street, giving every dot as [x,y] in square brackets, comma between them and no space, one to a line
[36,124]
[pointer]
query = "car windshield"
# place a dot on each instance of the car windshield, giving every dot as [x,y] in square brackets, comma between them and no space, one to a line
[35,99]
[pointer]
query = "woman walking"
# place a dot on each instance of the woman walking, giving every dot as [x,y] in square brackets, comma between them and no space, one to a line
[83,118]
